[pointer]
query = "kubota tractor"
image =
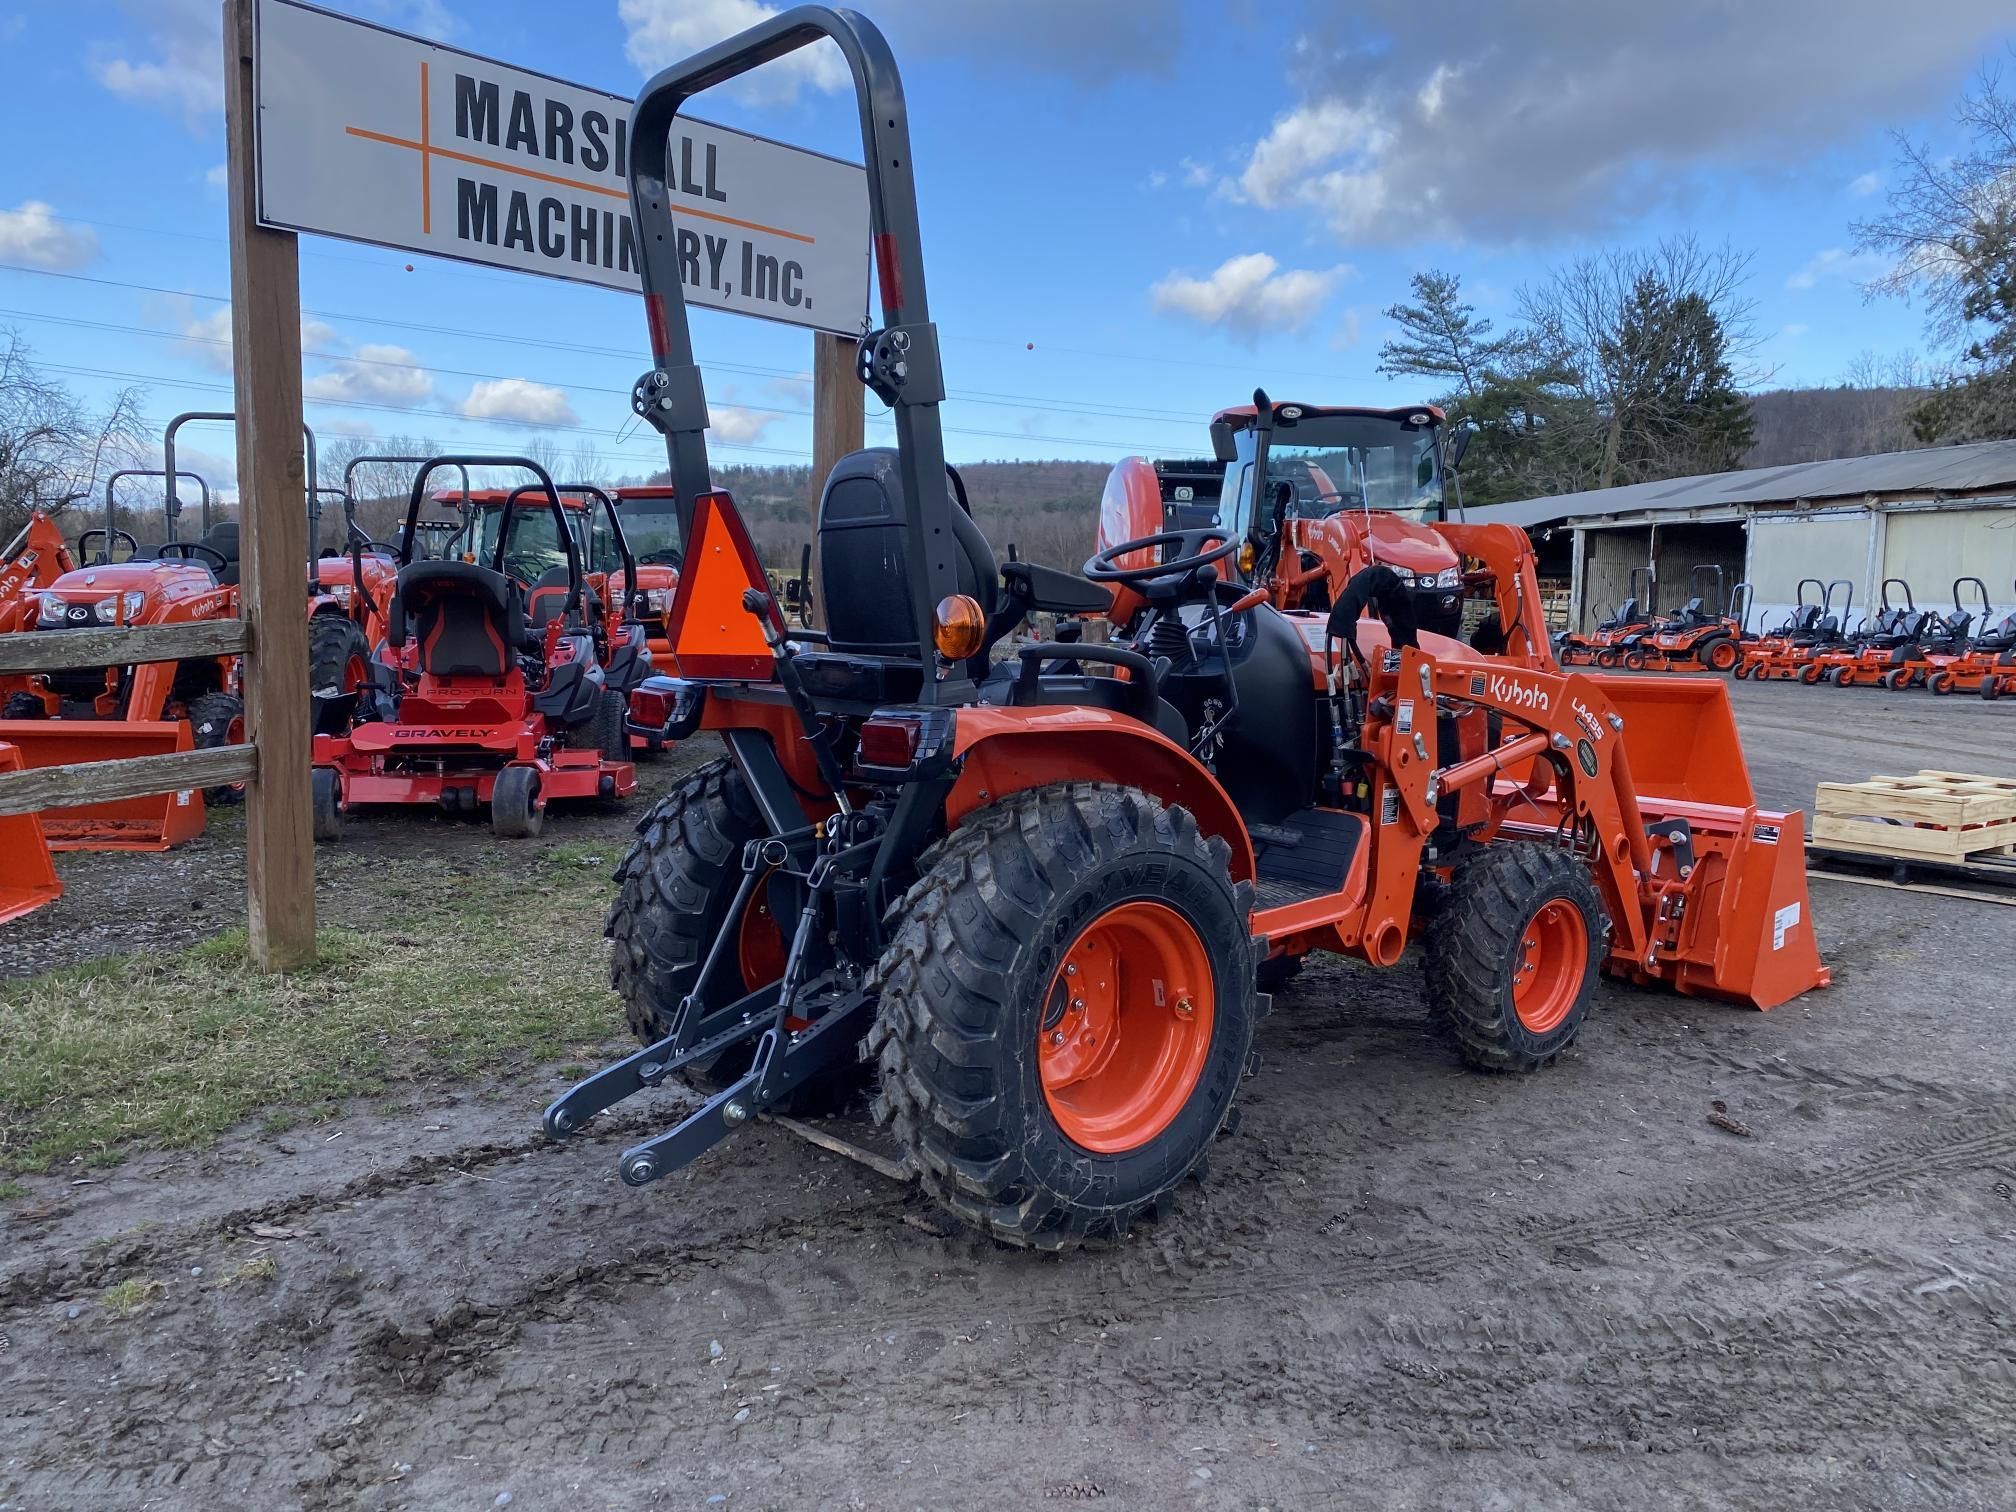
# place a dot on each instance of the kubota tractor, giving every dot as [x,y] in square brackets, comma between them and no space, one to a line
[1035,899]
[33,560]
[96,713]
[1339,489]
[491,709]
[651,524]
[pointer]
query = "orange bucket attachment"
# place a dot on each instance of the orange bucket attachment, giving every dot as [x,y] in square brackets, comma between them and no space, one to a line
[27,877]
[1680,735]
[158,822]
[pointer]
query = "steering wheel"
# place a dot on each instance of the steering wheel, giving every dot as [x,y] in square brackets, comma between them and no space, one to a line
[105,556]
[1167,577]
[372,547]
[182,551]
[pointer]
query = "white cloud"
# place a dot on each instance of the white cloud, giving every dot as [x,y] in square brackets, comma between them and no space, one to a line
[520,401]
[182,70]
[31,234]
[739,425]
[662,32]
[1865,184]
[375,375]
[1503,123]
[1838,263]
[1350,331]
[1249,294]
[218,177]
[207,337]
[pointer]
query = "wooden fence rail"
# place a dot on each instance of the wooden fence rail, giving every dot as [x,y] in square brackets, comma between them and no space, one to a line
[62,650]
[83,782]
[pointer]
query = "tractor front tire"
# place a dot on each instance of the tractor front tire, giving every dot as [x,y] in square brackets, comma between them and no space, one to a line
[1511,960]
[515,810]
[217,720]
[23,706]
[1066,1012]
[339,663]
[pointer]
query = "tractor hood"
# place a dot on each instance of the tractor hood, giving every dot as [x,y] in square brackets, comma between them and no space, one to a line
[1395,542]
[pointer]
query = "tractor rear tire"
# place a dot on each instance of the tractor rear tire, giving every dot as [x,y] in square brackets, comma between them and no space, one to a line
[217,720]
[673,892]
[515,810]
[1511,961]
[23,706]
[325,803]
[339,662]
[1047,1102]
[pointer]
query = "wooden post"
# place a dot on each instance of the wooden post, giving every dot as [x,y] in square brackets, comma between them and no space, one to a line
[839,422]
[273,537]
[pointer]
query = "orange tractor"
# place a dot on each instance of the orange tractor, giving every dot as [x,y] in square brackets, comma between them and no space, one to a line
[1031,902]
[1707,631]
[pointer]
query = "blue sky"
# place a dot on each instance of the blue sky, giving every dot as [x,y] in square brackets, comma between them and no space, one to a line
[1133,212]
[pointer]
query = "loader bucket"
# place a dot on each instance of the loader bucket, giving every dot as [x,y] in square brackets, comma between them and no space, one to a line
[27,878]
[1680,734]
[153,823]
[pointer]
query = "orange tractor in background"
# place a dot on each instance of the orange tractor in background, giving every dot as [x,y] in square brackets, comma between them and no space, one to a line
[1029,903]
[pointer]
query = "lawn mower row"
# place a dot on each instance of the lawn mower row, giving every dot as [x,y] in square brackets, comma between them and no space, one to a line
[1899,646]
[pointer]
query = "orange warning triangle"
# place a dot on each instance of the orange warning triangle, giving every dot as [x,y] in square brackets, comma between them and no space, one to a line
[712,635]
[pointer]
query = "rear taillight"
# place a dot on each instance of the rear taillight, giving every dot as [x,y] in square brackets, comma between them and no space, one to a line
[888,743]
[664,708]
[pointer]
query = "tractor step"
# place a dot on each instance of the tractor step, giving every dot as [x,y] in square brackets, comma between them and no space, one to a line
[1307,855]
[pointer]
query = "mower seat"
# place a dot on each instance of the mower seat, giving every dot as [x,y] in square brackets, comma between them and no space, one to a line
[470,620]
[549,598]
[223,539]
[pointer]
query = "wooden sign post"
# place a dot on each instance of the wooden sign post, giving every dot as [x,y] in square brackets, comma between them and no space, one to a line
[839,422]
[273,537]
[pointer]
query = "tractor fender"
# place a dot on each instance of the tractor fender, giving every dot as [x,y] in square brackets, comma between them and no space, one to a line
[1003,751]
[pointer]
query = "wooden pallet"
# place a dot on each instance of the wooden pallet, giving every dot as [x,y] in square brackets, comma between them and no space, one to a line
[1942,816]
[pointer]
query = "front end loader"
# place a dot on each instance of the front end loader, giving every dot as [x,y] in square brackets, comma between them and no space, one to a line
[1030,904]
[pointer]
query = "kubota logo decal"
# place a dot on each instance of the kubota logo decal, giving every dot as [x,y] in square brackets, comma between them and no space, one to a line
[1507,690]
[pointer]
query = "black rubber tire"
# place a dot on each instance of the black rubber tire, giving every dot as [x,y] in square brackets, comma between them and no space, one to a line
[1606,659]
[1709,650]
[1276,972]
[1897,679]
[336,650]
[23,706]
[515,812]
[1741,671]
[1941,683]
[1837,677]
[325,804]
[1809,674]
[1991,687]
[1634,661]
[604,731]
[963,988]
[1469,952]
[211,720]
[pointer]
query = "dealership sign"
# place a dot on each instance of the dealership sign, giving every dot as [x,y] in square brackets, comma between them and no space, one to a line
[379,137]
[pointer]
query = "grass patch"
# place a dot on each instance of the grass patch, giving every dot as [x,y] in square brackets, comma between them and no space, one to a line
[12,1191]
[264,1270]
[503,970]
[131,1295]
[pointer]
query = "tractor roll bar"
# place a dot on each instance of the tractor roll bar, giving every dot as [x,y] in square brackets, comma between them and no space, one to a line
[154,472]
[175,503]
[594,492]
[350,479]
[572,608]
[899,362]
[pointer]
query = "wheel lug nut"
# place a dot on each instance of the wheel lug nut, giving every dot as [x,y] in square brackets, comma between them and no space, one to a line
[1057,1037]
[1184,1007]
[1077,1005]
[1070,968]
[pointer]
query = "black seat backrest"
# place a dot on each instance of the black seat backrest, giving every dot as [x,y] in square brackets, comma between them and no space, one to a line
[863,570]
[468,619]
[223,539]
[549,597]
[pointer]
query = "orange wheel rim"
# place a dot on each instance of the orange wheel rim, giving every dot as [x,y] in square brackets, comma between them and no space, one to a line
[1126,1027]
[355,675]
[1723,656]
[759,943]
[1548,964]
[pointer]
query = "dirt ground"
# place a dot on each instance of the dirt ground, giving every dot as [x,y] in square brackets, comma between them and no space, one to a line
[1400,1285]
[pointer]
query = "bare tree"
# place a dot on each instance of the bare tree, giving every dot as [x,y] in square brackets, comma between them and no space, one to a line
[1635,327]
[53,451]
[1943,210]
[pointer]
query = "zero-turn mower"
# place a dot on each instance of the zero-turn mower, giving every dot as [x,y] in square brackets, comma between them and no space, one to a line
[1784,652]
[1881,650]
[1623,628]
[491,711]
[1032,901]
[1988,664]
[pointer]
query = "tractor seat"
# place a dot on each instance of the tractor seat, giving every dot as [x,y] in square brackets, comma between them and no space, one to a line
[549,597]
[1010,686]
[223,539]
[470,621]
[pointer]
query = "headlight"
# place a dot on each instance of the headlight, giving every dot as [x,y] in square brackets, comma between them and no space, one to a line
[107,610]
[341,593]
[1449,577]
[134,602]
[658,600]
[51,612]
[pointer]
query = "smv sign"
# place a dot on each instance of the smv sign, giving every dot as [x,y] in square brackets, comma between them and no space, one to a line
[375,136]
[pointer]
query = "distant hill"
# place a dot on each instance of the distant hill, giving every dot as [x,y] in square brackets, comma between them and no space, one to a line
[1820,424]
